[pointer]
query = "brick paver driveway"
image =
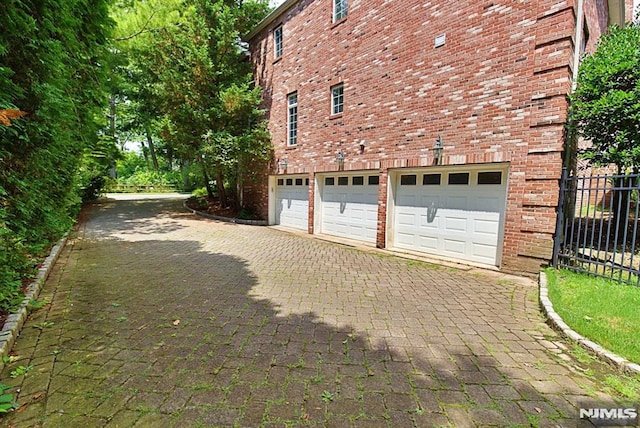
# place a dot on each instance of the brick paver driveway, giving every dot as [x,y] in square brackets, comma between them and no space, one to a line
[160,318]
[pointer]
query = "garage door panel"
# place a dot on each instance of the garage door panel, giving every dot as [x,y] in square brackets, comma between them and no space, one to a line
[406,219]
[350,211]
[488,204]
[428,242]
[482,253]
[454,246]
[486,227]
[407,200]
[457,202]
[292,206]
[460,221]
[482,250]
[455,224]
[429,222]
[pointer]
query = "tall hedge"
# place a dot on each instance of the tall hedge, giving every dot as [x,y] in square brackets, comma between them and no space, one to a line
[54,69]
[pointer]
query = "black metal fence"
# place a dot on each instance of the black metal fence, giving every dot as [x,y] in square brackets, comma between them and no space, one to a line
[597,229]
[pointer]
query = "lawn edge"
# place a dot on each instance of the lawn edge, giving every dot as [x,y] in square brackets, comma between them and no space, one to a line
[15,321]
[558,324]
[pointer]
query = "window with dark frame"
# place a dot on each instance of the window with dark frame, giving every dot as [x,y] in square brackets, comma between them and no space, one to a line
[408,180]
[280,181]
[358,180]
[431,179]
[343,181]
[277,42]
[490,177]
[298,181]
[292,119]
[585,38]
[374,180]
[289,181]
[459,178]
[337,99]
[329,181]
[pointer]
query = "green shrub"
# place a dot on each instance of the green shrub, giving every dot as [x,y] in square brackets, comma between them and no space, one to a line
[200,192]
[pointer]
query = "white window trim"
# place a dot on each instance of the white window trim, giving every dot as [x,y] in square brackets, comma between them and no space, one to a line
[277,53]
[334,105]
[344,9]
[292,127]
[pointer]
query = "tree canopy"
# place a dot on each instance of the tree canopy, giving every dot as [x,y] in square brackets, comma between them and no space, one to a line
[189,82]
[606,103]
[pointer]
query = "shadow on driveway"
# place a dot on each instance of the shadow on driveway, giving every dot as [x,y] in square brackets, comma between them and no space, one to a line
[157,319]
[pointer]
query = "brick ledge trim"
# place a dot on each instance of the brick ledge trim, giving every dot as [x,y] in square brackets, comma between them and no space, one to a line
[15,321]
[558,323]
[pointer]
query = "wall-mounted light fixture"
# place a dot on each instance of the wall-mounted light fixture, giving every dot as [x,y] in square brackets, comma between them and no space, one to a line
[340,158]
[283,164]
[437,151]
[362,144]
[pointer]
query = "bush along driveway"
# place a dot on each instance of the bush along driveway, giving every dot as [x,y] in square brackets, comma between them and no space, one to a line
[157,317]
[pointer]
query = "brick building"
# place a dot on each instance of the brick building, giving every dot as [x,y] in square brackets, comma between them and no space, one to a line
[423,126]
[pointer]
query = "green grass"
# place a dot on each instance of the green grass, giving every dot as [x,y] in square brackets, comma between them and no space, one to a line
[599,309]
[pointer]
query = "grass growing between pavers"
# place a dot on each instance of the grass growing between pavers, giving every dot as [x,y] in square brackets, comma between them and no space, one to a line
[601,310]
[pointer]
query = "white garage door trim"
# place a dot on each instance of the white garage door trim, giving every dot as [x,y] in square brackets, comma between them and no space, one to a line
[457,213]
[291,197]
[348,205]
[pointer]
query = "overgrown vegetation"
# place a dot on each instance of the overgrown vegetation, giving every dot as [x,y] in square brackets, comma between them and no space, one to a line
[605,107]
[599,309]
[186,92]
[82,79]
[53,77]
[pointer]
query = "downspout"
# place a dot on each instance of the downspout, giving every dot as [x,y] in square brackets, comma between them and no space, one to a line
[571,138]
[578,44]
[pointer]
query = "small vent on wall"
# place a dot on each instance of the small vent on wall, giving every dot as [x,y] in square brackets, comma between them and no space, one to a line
[440,40]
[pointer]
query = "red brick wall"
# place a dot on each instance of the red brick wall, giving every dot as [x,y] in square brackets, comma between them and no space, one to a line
[495,92]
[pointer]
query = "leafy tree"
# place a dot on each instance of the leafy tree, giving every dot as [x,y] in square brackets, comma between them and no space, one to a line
[138,97]
[606,104]
[605,109]
[191,81]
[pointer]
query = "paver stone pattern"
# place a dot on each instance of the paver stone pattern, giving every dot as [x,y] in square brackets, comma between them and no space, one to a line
[158,318]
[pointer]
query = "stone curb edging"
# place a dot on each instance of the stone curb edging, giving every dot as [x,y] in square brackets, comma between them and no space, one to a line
[557,322]
[15,321]
[225,219]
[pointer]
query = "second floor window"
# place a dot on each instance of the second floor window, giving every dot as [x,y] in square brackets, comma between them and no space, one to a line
[339,9]
[337,99]
[277,41]
[292,119]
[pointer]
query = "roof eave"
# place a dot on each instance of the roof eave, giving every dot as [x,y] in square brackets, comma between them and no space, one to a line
[277,12]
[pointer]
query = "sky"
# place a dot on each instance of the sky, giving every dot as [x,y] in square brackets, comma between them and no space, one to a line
[275,3]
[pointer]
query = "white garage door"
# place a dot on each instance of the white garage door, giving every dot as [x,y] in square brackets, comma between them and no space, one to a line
[349,206]
[292,202]
[455,214]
